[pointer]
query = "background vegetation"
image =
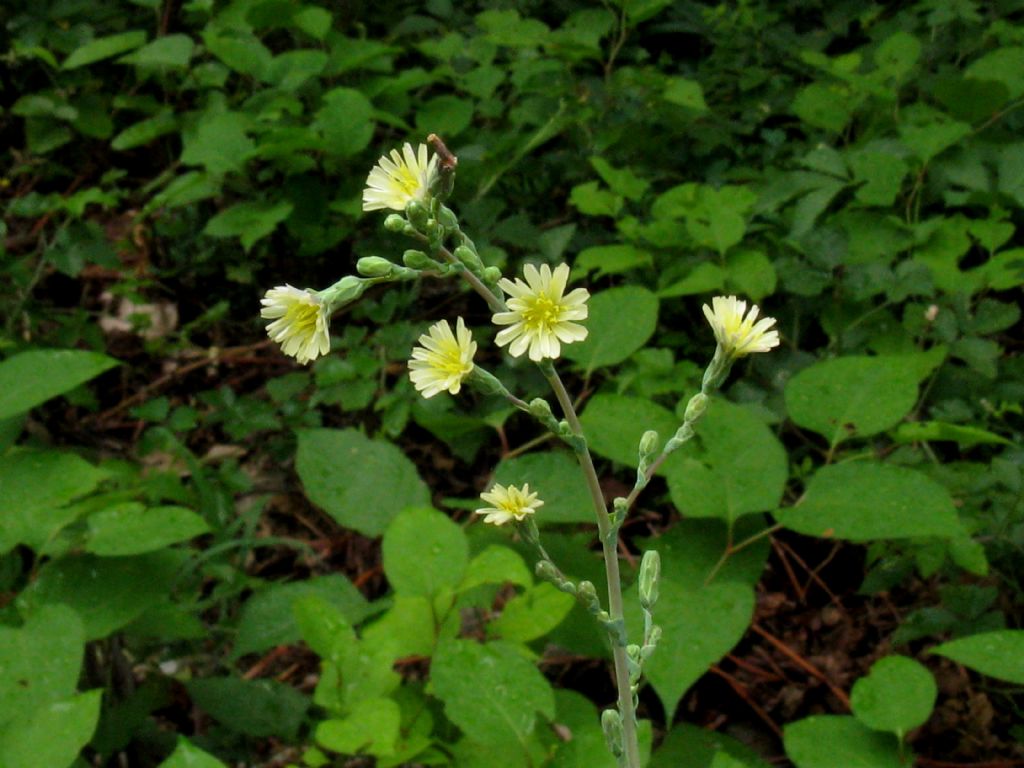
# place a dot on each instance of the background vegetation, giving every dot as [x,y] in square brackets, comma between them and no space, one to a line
[197,563]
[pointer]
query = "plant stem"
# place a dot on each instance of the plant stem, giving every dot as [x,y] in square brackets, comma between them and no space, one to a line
[611,565]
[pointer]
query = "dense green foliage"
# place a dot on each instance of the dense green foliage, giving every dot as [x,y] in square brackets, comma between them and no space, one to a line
[855,168]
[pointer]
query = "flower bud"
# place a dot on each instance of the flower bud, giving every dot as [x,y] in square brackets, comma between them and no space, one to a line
[491,275]
[343,292]
[447,217]
[611,724]
[374,266]
[650,574]
[648,443]
[470,258]
[417,260]
[696,407]
[485,383]
[587,594]
[546,570]
[395,223]
[418,215]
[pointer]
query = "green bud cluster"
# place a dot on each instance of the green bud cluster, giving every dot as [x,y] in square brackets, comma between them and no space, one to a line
[611,724]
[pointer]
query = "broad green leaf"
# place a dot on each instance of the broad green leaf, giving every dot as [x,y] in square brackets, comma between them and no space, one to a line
[187,755]
[897,55]
[239,49]
[706,276]
[828,741]
[267,617]
[145,131]
[610,260]
[532,614]
[587,747]
[685,93]
[291,69]
[965,435]
[445,115]
[131,529]
[897,695]
[28,379]
[497,704]
[345,122]
[622,181]
[496,565]
[323,626]
[253,707]
[614,425]
[343,471]
[409,626]
[557,477]
[41,660]
[931,139]
[693,747]
[51,735]
[701,622]
[371,728]
[167,52]
[823,106]
[103,48]
[998,654]
[249,221]
[737,467]
[880,176]
[107,592]
[852,396]
[863,500]
[1003,65]
[750,273]
[218,142]
[35,488]
[507,27]
[621,321]
[593,200]
[424,553]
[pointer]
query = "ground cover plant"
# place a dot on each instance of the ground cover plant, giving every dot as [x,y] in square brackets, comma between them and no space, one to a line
[216,553]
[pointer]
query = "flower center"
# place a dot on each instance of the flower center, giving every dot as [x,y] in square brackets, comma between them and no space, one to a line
[303,317]
[541,314]
[407,181]
[449,360]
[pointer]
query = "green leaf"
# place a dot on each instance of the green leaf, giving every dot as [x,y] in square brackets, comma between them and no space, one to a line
[862,500]
[41,660]
[611,260]
[51,735]
[694,747]
[966,436]
[738,468]
[291,69]
[897,696]
[532,614]
[621,321]
[685,93]
[622,181]
[592,200]
[345,122]
[167,52]
[750,273]
[703,278]
[557,477]
[852,396]
[614,425]
[145,131]
[35,488]
[253,707]
[1003,65]
[496,565]
[998,654]
[249,222]
[880,176]
[131,529]
[828,741]
[587,748]
[187,755]
[107,592]
[497,704]
[371,728]
[343,471]
[267,617]
[444,115]
[103,48]
[897,55]
[424,553]
[931,139]
[408,627]
[823,106]
[239,49]
[218,142]
[30,378]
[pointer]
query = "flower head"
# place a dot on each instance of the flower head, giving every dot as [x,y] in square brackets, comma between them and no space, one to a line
[539,317]
[509,503]
[443,360]
[736,334]
[301,322]
[399,179]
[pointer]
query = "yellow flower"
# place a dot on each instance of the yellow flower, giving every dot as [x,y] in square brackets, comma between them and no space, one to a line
[398,180]
[736,334]
[301,322]
[443,360]
[508,504]
[539,316]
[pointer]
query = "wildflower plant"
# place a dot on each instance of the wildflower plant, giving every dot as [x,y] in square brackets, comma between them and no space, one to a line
[536,318]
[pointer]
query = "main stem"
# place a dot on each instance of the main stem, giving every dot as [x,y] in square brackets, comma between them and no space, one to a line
[611,566]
